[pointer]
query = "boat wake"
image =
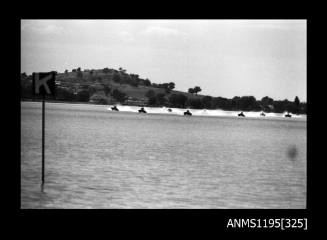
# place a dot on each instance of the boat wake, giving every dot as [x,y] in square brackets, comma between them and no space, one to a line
[203,112]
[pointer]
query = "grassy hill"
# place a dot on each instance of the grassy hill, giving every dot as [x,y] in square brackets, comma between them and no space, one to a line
[98,79]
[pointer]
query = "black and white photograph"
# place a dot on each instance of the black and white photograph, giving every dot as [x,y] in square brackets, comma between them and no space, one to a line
[163,114]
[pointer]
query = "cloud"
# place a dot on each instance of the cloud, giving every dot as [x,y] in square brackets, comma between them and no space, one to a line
[38,27]
[160,31]
[275,24]
[49,29]
[125,36]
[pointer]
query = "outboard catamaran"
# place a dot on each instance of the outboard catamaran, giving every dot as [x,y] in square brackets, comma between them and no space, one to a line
[114,108]
[241,114]
[142,110]
[187,113]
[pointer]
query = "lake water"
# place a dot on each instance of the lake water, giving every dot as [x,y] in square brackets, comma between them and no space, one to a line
[95,158]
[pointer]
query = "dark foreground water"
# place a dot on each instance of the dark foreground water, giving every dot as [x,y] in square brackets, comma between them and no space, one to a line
[101,159]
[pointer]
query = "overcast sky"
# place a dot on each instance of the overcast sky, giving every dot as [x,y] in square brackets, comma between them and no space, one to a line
[225,58]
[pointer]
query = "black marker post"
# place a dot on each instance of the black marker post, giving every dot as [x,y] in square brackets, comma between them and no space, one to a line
[43,84]
[43,129]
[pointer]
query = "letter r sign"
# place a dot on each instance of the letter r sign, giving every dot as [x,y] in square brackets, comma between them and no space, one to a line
[44,83]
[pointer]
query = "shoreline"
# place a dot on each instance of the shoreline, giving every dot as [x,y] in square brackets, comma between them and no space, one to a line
[180,111]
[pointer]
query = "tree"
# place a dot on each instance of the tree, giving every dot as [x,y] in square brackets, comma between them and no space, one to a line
[150,93]
[282,106]
[147,82]
[105,70]
[79,74]
[78,69]
[163,85]
[122,70]
[235,103]
[133,82]
[160,99]
[219,103]
[99,79]
[92,90]
[297,105]
[177,100]
[197,89]
[152,101]
[134,76]
[65,94]
[278,106]
[83,96]
[171,85]
[267,101]
[297,101]
[191,90]
[167,86]
[194,103]
[118,95]
[116,78]
[106,89]
[290,107]
[66,71]
[206,102]
[248,103]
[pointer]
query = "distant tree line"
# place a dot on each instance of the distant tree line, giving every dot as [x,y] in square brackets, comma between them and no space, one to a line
[244,103]
[158,99]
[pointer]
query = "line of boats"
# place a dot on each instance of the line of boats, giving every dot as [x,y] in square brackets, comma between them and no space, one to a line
[142,110]
[262,114]
[188,113]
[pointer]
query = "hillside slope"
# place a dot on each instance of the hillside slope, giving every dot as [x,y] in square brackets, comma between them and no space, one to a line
[130,84]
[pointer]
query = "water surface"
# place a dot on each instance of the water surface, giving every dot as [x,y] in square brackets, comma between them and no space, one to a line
[97,158]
